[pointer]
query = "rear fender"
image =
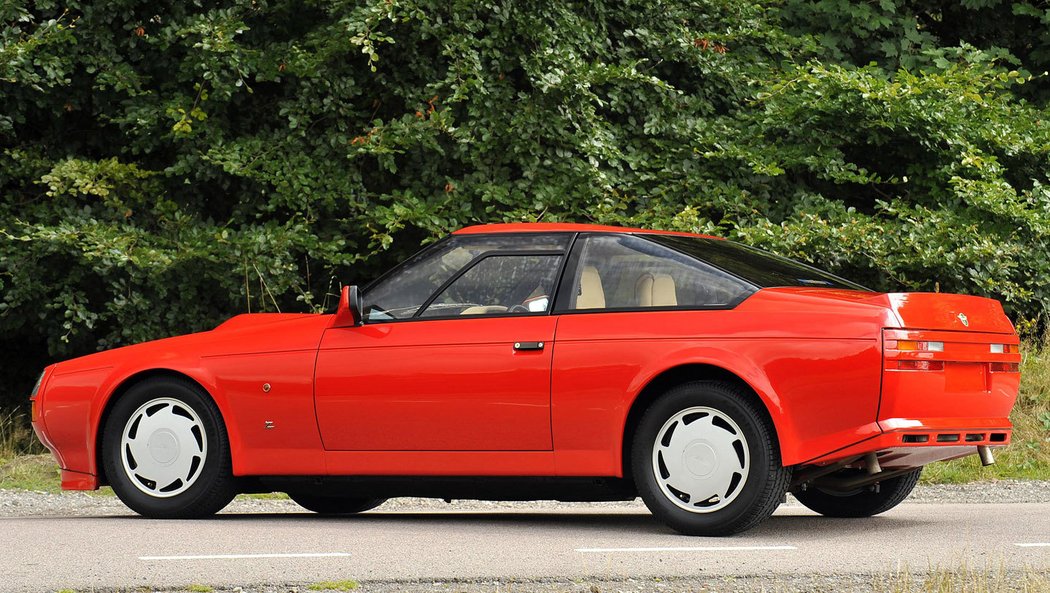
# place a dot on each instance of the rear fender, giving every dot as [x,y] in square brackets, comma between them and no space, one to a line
[733,366]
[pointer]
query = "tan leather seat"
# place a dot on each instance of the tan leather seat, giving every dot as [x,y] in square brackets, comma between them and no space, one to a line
[592,295]
[656,290]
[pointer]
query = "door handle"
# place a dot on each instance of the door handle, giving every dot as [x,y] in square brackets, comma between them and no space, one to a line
[528,345]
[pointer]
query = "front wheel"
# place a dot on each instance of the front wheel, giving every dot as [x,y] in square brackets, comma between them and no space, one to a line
[863,502]
[706,461]
[165,451]
[335,505]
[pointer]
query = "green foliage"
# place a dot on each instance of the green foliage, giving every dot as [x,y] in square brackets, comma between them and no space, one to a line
[922,190]
[342,585]
[914,34]
[163,166]
[30,472]
[16,436]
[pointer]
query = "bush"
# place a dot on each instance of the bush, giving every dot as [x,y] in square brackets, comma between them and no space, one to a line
[164,166]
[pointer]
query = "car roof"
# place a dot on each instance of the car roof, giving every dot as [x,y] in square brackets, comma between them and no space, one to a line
[563,227]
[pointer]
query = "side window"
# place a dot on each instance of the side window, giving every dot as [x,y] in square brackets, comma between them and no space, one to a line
[629,272]
[500,284]
[401,293]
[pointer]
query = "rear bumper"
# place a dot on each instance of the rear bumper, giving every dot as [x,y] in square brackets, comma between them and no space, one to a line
[920,445]
[944,393]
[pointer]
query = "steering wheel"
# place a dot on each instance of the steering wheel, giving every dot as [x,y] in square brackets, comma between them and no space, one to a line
[518,309]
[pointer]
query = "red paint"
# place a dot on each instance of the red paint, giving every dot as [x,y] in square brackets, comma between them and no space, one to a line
[71,480]
[440,385]
[454,397]
[561,227]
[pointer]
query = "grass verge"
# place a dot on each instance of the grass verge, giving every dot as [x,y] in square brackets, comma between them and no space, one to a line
[16,435]
[24,463]
[30,472]
[343,585]
[963,580]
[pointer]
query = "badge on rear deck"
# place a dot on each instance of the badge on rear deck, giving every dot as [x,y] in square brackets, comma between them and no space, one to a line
[964,320]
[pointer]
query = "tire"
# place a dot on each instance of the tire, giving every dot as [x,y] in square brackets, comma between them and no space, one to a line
[166,453]
[862,503]
[335,505]
[728,476]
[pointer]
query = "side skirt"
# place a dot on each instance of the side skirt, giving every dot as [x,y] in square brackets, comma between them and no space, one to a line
[450,487]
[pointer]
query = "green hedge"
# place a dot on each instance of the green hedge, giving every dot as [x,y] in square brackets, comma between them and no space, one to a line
[164,166]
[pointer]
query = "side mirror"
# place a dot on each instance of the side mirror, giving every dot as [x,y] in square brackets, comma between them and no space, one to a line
[348,313]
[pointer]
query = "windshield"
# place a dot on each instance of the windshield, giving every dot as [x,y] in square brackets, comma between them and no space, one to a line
[761,268]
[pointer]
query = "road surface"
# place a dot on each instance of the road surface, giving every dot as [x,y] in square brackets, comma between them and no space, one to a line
[546,542]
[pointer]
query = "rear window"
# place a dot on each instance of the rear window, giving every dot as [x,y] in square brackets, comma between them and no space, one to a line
[758,267]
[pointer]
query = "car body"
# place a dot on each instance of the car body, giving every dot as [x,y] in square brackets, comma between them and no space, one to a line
[573,362]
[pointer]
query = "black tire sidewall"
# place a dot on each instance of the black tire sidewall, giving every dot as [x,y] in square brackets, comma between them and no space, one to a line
[866,503]
[213,485]
[752,500]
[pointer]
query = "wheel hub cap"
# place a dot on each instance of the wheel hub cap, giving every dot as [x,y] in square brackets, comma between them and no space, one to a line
[701,459]
[163,447]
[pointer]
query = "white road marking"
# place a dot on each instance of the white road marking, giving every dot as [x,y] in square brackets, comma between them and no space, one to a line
[1034,545]
[248,556]
[689,549]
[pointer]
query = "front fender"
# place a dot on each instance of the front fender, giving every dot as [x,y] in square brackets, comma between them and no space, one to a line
[121,379]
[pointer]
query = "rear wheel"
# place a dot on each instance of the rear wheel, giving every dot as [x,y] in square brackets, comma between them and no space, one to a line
[706,461]
[335,505]
[165,451]
[863,502]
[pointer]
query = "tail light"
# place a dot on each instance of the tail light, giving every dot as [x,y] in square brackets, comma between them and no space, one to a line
[932,351]
[920,365]
[919,346]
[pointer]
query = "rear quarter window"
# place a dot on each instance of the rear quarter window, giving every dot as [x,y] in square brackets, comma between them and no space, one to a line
[626,272]
[763,269]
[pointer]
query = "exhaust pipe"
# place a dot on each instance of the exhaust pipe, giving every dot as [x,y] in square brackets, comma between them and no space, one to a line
[872,461]
[986,455]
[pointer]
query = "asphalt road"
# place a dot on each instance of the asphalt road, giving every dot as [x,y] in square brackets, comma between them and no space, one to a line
[55,552]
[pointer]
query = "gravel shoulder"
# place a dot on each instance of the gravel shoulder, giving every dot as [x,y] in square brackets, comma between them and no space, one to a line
[23,503]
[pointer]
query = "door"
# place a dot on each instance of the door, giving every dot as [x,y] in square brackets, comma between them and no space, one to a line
[454,354]
[457,385]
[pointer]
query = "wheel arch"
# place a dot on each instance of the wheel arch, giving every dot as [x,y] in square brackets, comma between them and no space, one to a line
[677,375]
[122,387]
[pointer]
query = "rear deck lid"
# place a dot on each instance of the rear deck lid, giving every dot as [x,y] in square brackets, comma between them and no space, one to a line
[949,312]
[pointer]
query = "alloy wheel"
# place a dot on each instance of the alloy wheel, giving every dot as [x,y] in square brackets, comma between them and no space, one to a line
[701,459]
[163,447]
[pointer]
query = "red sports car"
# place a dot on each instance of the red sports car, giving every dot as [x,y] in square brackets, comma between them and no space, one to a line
[552,361]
